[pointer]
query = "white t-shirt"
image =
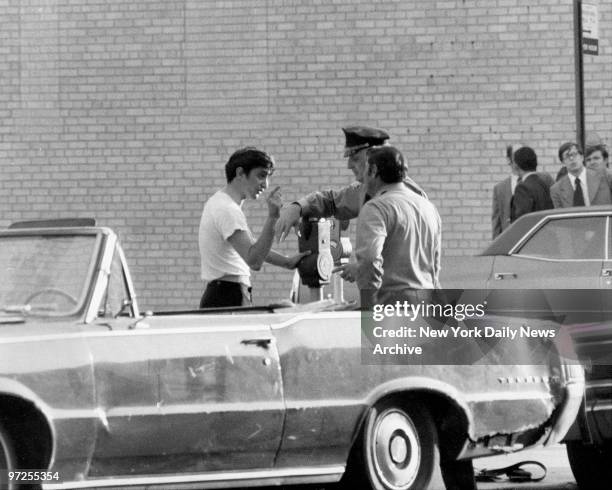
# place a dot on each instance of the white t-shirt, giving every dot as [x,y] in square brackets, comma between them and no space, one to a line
[221,218]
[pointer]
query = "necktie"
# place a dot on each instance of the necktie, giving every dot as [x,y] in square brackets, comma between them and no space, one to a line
[578,195]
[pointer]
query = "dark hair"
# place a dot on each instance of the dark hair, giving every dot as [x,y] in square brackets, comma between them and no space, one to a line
[248,158]
[509,152]
[568,146]
[389,163]
[526,159]
[601,148]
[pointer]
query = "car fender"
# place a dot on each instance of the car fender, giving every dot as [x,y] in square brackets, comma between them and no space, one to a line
[13,388]
[408,385]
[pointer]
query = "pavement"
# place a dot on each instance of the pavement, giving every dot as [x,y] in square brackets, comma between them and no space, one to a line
[558,477]
[558,473]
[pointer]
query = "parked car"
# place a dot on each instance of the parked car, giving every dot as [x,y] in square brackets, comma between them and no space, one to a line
[96,394]
[553,249]
[566,249]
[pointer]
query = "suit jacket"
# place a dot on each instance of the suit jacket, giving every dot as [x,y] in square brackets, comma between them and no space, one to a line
[502,201]
[546,178]
[502,197]
[562,192]
[533,194]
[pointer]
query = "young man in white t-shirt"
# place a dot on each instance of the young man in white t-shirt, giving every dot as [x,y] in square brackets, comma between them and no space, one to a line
[227,247]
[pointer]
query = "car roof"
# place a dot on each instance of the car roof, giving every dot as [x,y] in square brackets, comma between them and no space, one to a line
[505,242]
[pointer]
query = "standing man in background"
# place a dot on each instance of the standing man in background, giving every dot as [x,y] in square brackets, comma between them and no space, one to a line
[503,192]
[531,193]
[581,186]
[502,197]
[596,158]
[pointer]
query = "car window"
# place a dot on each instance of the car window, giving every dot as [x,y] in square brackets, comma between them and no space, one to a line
[568,239]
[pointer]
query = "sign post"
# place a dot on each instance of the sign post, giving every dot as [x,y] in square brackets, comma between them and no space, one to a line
[579,75]
[586,41]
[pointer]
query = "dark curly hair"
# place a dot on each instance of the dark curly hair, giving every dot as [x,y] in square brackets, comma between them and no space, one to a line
[389,162]
[248,158]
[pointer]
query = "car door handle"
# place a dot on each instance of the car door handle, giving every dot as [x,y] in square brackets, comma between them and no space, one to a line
[264,343]
[499,276]
[606,272]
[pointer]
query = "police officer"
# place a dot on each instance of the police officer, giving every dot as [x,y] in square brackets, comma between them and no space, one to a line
[345,203]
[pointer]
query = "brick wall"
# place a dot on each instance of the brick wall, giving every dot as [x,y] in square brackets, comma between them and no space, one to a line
[127,111]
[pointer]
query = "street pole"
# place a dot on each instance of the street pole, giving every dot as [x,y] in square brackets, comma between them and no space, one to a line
[579,75]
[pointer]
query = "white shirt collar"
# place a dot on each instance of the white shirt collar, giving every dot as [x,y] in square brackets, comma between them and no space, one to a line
[581,176]
[583,183]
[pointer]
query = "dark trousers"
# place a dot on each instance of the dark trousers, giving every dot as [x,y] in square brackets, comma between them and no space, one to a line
[226,293]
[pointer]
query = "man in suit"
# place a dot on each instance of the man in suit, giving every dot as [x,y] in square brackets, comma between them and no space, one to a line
[531,193]
[502,196]
[581,186]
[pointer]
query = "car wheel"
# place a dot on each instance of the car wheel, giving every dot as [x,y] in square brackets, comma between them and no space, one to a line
[400,447]
[590,464]
[7,460]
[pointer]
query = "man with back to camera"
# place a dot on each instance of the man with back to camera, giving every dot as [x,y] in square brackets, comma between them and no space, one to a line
[399,234]
[580,186]
[531,193]
[503,192]
[345,203]
[227,248]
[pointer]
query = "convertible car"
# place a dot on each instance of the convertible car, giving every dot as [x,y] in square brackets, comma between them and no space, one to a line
[96,394]
[562,249]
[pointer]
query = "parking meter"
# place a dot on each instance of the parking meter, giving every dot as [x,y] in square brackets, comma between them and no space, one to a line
[323,238]
[315,236]
[340,246]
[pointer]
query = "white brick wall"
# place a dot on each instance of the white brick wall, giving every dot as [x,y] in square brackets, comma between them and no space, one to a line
[127,111]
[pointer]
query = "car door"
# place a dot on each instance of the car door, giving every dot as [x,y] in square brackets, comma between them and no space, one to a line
[606,273]
[563,253]
[181,393]
[125,383]
[220,394]
[559,268]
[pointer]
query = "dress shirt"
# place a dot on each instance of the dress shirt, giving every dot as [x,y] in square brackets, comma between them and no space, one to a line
[513,182]
[583,183]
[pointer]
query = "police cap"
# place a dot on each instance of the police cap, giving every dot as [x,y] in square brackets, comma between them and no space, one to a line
[360,137]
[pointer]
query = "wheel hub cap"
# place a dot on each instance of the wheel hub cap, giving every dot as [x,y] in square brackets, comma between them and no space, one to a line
[397,451]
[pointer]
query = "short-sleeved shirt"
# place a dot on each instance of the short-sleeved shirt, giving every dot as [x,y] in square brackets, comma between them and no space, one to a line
[221,218]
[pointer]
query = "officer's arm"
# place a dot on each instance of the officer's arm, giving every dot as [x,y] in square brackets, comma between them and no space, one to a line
[342,204]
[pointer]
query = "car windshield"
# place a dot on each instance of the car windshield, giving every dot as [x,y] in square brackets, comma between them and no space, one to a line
[44,275]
